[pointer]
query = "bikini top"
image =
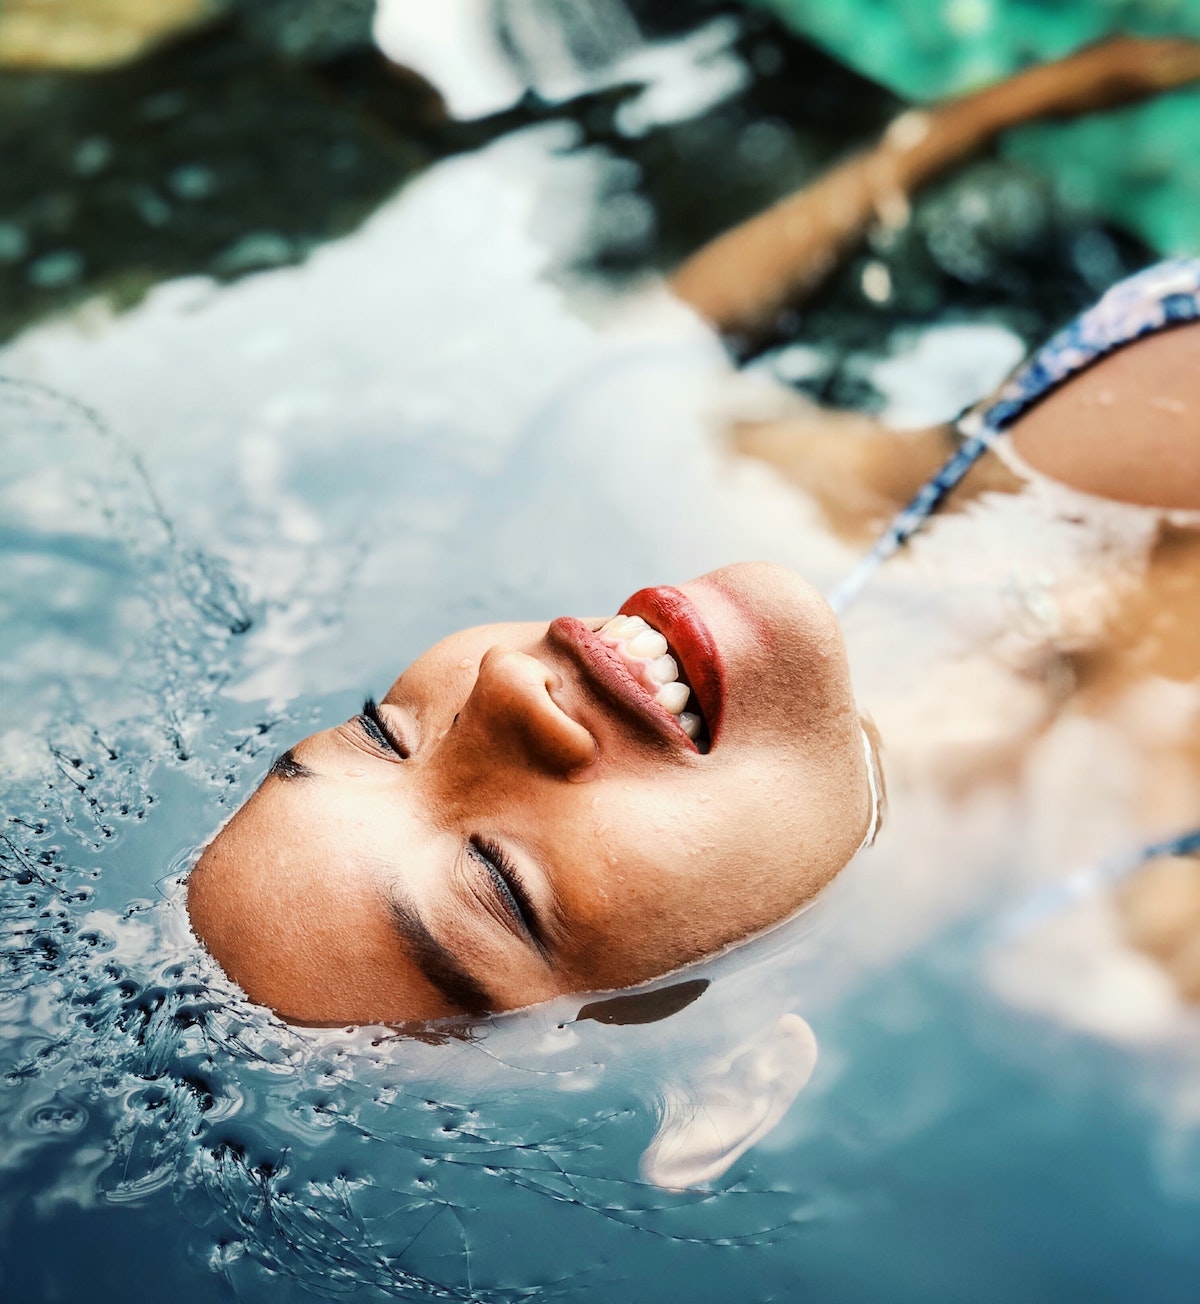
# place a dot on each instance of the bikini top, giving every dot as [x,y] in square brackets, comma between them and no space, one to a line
[1165,295]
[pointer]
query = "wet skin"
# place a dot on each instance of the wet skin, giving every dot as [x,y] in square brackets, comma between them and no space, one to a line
[518,823]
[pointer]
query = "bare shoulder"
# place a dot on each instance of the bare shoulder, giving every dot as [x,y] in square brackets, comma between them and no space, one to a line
[1127,428]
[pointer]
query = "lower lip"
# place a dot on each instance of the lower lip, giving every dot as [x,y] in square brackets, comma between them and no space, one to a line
[675,616]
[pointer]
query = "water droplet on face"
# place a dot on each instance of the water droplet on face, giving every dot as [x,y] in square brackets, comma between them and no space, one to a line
[356,773]
[466,663]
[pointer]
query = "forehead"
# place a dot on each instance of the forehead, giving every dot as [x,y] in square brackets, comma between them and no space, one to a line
[341,817]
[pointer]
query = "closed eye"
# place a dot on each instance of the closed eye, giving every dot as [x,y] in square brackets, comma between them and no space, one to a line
[510,891]
[373,723]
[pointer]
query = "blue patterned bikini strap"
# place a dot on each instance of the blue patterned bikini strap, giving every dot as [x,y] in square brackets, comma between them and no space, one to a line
[1044,903]
[1167,294]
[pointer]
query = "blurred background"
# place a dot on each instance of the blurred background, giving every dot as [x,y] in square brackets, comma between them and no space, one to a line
[145,141]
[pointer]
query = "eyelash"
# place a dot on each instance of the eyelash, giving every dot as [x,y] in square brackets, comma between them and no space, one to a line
[509,887]
[377,729]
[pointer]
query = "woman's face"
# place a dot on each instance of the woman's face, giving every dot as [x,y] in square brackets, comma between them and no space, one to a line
[525,816]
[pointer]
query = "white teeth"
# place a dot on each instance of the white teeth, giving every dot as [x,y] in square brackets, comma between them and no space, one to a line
[640,641]
[649,644]
[624,626]
[664,669]
[673,696]
[689,721]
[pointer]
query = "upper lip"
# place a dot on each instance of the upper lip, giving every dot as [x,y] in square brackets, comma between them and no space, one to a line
[609,674]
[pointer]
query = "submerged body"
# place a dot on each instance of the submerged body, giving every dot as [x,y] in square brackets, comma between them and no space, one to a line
[531,811]
[1059,606]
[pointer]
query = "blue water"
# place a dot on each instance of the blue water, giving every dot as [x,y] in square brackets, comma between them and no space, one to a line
[227,513]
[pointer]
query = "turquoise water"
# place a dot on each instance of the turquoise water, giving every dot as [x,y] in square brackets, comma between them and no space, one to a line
[1134,166]
[232,509]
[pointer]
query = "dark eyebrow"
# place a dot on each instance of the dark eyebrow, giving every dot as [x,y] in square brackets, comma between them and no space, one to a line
[440,965]
[288,766]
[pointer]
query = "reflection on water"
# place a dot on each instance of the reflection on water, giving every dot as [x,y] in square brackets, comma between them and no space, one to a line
[232,509]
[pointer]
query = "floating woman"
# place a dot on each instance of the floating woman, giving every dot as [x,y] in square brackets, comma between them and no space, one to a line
[538,809]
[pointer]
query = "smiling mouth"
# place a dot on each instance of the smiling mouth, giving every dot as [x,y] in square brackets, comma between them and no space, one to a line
[657,661]
[649,657]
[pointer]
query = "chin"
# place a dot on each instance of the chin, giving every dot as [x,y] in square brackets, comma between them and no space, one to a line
[782,653]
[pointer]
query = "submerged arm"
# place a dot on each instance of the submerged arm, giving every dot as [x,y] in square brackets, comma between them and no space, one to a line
[1126,428]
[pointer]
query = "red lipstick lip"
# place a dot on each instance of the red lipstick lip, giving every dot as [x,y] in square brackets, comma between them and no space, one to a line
[676,618]
[609,674]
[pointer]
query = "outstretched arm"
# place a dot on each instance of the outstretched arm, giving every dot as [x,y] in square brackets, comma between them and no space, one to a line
[743,278]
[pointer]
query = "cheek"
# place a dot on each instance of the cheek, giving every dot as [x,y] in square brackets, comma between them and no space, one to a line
[432,691]
[728,859]
[661,854]
[657,875]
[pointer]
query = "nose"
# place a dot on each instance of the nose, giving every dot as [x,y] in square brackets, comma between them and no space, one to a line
[511,715]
